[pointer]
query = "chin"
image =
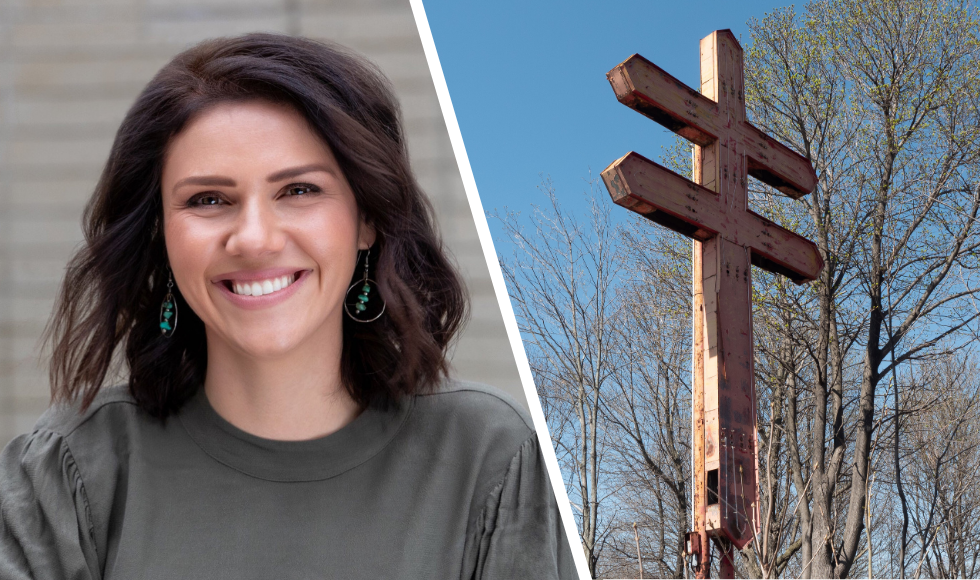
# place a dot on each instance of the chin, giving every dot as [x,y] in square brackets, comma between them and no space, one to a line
[270,346]
[265,343]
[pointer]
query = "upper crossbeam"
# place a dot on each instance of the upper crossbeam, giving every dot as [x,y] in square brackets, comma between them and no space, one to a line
[648,89]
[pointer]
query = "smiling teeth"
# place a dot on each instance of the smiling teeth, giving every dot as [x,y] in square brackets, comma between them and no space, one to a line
[263,287]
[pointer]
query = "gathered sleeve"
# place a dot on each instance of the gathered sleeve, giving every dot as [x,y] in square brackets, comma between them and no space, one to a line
[519,533]
[45,525]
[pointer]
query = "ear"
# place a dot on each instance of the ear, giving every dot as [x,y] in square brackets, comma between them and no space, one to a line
[365,235]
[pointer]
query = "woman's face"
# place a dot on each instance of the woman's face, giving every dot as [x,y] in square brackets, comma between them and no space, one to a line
[262,229]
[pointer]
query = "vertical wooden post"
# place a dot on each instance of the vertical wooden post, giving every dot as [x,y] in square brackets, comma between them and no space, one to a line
[724,367]
[703,550]
[639,557]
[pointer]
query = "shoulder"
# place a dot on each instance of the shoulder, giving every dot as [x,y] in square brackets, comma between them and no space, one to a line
[478,405]
[48,519]
[68,438]
[48,442]
[473,429]
[111,405]
[97,439]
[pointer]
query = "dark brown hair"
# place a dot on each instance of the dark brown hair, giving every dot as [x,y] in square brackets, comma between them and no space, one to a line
[115,284]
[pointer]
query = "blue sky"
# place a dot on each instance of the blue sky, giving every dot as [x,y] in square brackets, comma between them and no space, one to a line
[527,80]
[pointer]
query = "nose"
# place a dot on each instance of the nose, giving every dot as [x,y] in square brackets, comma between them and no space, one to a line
[257,231]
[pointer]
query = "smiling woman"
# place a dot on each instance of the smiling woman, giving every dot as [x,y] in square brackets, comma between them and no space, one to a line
[259,249]
[252,199]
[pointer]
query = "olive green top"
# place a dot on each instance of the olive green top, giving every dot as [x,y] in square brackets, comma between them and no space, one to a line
[444,485]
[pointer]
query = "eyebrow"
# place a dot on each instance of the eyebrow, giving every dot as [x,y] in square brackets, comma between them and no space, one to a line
[294,171]
[204,180]
[207,180]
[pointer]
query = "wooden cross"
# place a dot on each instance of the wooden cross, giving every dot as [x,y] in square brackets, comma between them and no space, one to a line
[729,237]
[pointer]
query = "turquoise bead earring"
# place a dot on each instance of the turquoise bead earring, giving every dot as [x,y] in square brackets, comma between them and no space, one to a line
[366,304]
[168,310]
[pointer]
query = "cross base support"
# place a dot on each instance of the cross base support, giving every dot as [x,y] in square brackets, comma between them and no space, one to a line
[697,552]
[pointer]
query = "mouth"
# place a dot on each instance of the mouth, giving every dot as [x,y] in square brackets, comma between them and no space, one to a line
[261,287]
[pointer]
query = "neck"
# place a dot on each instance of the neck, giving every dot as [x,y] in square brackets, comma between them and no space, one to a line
[294,396]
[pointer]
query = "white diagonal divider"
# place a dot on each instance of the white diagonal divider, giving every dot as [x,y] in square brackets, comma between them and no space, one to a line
[499,287]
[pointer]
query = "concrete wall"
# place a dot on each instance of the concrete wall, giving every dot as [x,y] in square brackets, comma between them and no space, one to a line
[69,69]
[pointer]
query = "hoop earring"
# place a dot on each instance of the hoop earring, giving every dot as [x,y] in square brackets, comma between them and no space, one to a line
[168,309]
[363,307]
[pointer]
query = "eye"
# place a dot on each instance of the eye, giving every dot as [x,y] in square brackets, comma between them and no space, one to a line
[302,190]
[204,200]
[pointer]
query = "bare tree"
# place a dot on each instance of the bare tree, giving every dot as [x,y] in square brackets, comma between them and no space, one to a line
[562,284]
[647,407]
[882,97]
[940,454]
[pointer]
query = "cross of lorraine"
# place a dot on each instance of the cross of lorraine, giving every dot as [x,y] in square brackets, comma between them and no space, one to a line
[729,238]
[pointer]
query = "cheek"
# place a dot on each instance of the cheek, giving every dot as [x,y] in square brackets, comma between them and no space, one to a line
[189,248]
[331,238]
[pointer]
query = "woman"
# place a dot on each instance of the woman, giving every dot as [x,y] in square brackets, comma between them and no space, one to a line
[259,245]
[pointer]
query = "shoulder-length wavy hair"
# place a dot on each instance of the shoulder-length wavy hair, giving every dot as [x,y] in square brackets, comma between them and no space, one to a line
[114,285]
